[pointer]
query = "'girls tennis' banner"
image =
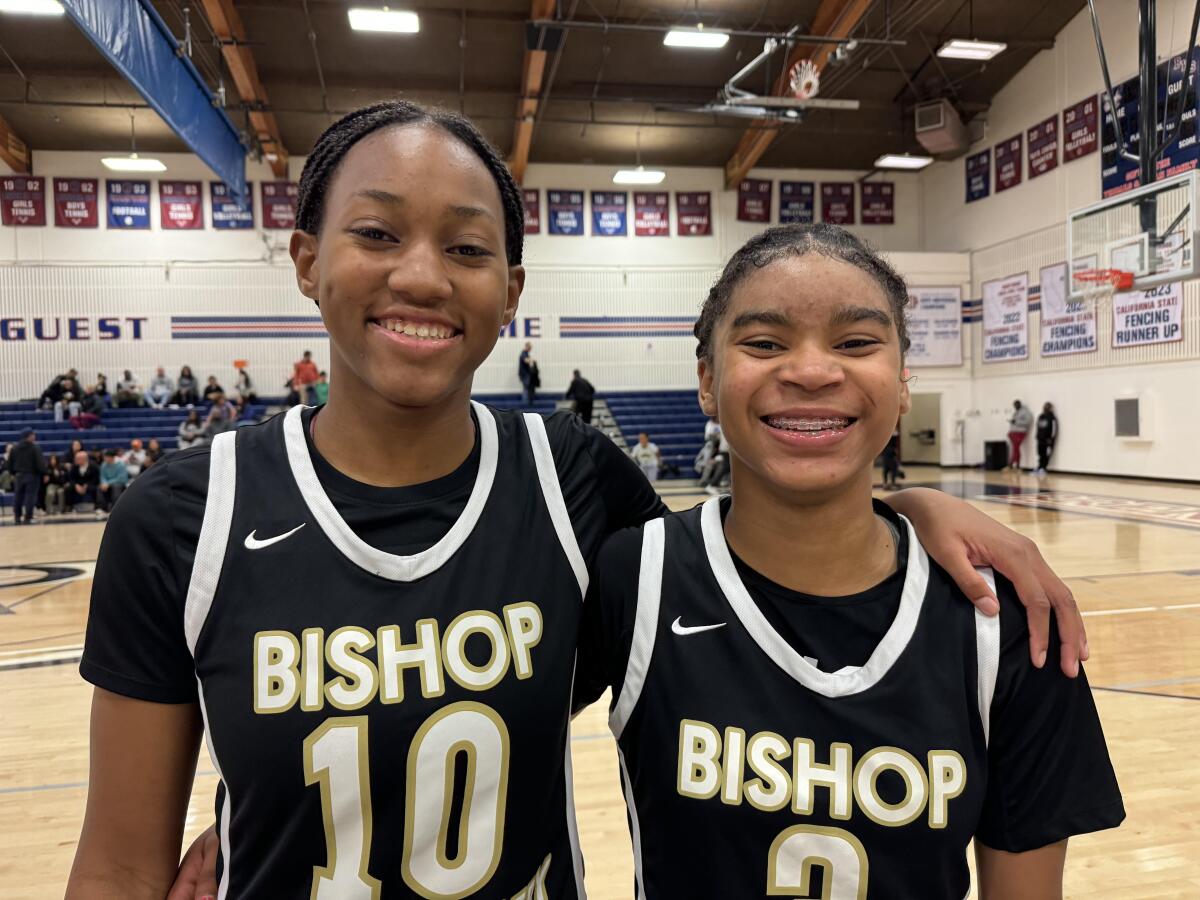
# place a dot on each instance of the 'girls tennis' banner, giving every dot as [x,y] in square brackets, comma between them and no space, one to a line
[227,212]
[1042,143]
[1006,318]
[934,326]
[695,213]
[797,203]
[609,213]
[979,175]
[837,202]
[878,203]
[128,204]
[76,204]
[566,212]
[754,200]
[1081,129]
[533,210]
[22,200]
[180,206]
[1008,163]
[652,214]
[279,204]
[1148,317]
[1067,327]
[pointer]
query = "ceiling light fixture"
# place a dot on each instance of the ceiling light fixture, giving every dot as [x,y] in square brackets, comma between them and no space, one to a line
[640,175]
[390,20]
[133,163]
[697,38]
[32,7]
[962,48]
[902,161]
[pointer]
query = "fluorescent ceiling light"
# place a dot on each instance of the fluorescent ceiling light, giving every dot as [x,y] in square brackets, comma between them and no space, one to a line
[133,163]
[961,48]
[640,175]
[696,37]
[902,161]
[32,7]
[385,19]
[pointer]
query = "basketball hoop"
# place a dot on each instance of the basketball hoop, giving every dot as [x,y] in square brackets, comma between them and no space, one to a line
[805,80]
[1096,285]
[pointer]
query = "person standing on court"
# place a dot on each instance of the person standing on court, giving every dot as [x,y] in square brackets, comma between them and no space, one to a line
[1018,428]
[525,369]
[582,393]
[1047,434]
[27,466]
[304,376]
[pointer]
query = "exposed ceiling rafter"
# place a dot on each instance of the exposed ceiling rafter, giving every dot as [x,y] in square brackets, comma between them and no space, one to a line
[532,72]
[13,150]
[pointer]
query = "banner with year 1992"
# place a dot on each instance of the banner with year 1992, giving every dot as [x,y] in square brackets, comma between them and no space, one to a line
[934,326]
[1006,319]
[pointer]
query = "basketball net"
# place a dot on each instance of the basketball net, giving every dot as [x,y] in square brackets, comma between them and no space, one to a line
[1098,285]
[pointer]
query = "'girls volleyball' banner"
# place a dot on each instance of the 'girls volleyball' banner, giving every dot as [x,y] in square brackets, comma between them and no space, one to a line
[1148,317]
[934,326]
[1008,163]
[128,204]
[837,202]
[1006,319]
[227,212]
[1081,129]
[608,213]
[22,200]
[652,214]
[695,213]
[1065,327]
[979,175]
[625,326]
[533,211]
[180,206]
[796,203]
[566,212]
[279,204]
[878,203]
[1042,143]
[754,200]
[76,204]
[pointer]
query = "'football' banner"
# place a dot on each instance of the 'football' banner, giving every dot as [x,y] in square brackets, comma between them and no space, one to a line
[128,204]
[1148,317]
[754,200]
[797,203]
[837,203]
[227,212]
[565,211]
[979,175]
[1006,318]
[180,205]
[934,317]
[1042,143]
[652,214]
[878,203]
[1066,326]
[694,209]
[279,204]
[76,204]
[609,213]
[1008,163]
[533,210]
[22,200]
[1081,129]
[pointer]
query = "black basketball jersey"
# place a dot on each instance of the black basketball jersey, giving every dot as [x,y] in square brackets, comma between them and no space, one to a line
[388,726]
[750,772]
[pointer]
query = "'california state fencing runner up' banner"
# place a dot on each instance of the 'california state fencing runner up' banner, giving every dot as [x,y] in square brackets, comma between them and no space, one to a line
[180,205]
[227,212]
[878,203]
[1006,318]
[1081,129]
[1067,327]
[1008,163]
[608,213]
[979,175]
[934,326]
[566,212]
[797,203]
[754,200]
[652,214]
[279,204]
[694,209]
[533,210]
[1148,317]
[76,204]
[837,202]
[1042,143]
[128,204]
[22,200]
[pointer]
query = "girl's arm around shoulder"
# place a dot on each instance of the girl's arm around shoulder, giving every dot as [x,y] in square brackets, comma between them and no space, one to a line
[1032,875]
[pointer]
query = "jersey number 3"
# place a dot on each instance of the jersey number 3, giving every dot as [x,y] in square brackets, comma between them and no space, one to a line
[800,849]
[336,758]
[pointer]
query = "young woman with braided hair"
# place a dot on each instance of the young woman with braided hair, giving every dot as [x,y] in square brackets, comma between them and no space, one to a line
[370,609]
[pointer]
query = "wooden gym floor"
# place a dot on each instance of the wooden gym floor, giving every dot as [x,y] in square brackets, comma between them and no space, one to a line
[1129,550]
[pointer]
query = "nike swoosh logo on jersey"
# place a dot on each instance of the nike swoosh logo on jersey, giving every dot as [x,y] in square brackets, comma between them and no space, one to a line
[679,628]
[253,543]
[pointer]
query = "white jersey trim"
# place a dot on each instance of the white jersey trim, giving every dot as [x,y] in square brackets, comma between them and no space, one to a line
[848,680]
[645,624]
[987,656]
[214,536]
[572,822]
[635,828]
[543,458]
[226,814]
[358,551]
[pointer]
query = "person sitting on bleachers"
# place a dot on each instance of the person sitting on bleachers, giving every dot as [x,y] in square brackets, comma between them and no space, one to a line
[222,416]
[56,480]
[53,393]
[92,407]
[243,390]
[134,458]
[129,392]
[114,478]
[319,392]
[212,388]
[67,407]
[154,452]
[160,390]
[191,431]
[84,480]
[101,392]
[186,389]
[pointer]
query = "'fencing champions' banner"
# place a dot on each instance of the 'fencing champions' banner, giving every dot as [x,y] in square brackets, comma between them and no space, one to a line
[1081,129]
[180,205]
[837,202]
[652,214]
[878,203]
[279,204]
[1148,317]
[531,198]
[797,203]
[979,175]
[1066,326]
[227,212]
[609,213]
[694,209]
[934,326]
[754,200]
[76,204]
[1042,143]
[22,200]
[566,212]
[128,204]
[1008,163]
[1006,318]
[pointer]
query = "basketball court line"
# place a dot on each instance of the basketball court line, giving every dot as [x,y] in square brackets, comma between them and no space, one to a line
[1117,690]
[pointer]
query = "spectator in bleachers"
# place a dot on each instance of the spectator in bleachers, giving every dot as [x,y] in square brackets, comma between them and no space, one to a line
[85,478]
[92,407]
[293,396]
[27,466]
[114,478]
[525,369]
[134,458]
[154,452]
[161,388]
[54,391]
[68,407]
[187,389]
[647,455]
[581,392]
[6,475]
[212,388]
[304,376]
[320,389]
[222,417]
[101,390]
[244,389]
[718,466]
[56,480]
[129,392]
[191,431]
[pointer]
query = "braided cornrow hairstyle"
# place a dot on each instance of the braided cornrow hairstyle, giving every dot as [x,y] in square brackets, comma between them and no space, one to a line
[336,141]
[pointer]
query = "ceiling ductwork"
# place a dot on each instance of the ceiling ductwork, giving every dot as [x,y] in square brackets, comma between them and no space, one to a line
[939,129]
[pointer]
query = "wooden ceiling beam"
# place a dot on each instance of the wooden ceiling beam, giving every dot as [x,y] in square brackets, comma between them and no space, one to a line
[533,69]
[13,151]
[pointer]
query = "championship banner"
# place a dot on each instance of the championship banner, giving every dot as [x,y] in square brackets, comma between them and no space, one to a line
[279,204]
[609,214]
[837,203]
[1148,317]
[76,204]
[934,326]
[878,203]
[1006,318]
[128,204]
[754,200]
[1081,129]
[227,213]
[22,200]
[694,209]
[1042,143]
[180,206]
[797,203]
[531,199]
[1008,163]
[979,175]
[652,214]
[566,212]
[1067,327]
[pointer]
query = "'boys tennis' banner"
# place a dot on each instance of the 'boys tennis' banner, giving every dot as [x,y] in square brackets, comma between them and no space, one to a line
[566,212]
[609,213]
[1081,129]
[1008,163]
[128,204]
[754,200]
[1006,318]
[1042,141]
[180,205]
[878,203]
[531,198]
[934,326]
[652,214]
[837,202]
[979,175]
[1148,317]
[76,204]
[797,205]
[694,209]
[1067,327]
[227,212]
[22,200]
[279,204]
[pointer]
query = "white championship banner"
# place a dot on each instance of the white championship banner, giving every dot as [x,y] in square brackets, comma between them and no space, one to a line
[1148,317]
[1006,318]
[934,326]
[1067,327]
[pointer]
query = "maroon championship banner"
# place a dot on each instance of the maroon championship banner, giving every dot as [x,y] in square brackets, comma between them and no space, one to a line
[279,204]
[22,200]
[1042,143]
[652,214]
[1081,129]
[754,200]
[75,203]
[878,203]
[1008,163]
[837,202]
[695,213]
[533,210]
[180,206]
